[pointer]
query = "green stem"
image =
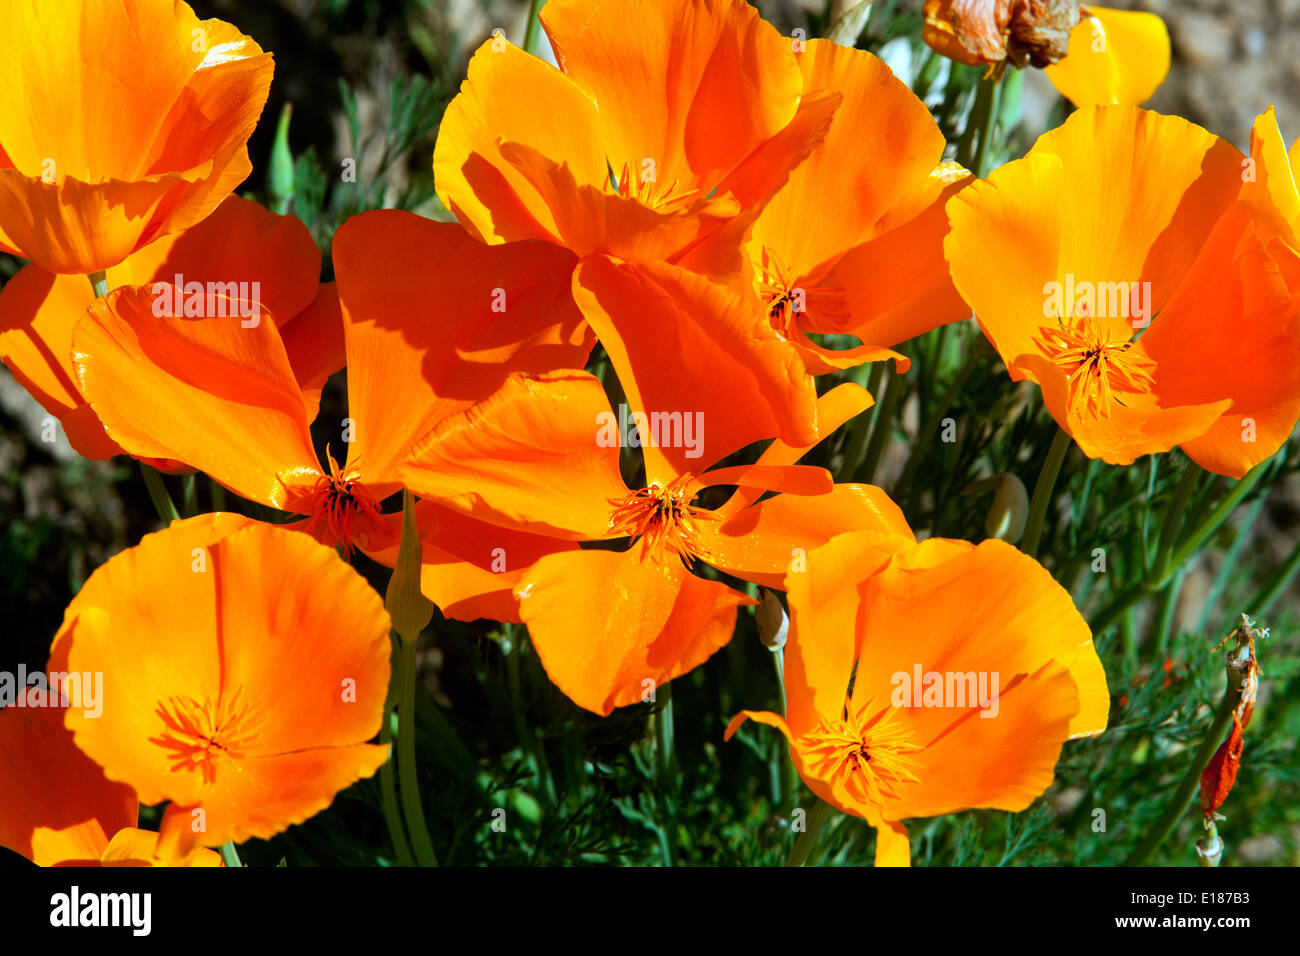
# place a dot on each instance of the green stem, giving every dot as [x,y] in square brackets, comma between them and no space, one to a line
[988,122]
[162,501]
[666,759]
[229,855]
[1216,517]
[99,282]
[388,787]
[1173,519]
[785,762]
[979,127]
[1183,795]
[1043,487]
[533,29]
[882,428]
[406,768]
[820,813]
[190,495]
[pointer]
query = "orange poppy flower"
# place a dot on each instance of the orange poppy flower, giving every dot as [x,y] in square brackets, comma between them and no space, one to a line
[119,123]
[1115,57]
[542,456]
[896,655]
[240,247]
[673,118]
[244,665]
[853,243]
[423,304]
[57,807]
[1065,287]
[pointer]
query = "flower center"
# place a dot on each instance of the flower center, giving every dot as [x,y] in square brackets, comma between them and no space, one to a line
[204,735]
[870,758]
[1096,364]
[789,298]
[640,182]
[662,517]
[341,510]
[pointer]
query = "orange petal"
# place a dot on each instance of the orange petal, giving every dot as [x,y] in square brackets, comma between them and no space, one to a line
[38,311]
[539,456]
[470,568]
[133,847]
[893,848]
[1235,306]
[682,343]
[610,627]
[763,543]
[881,145]
[695,88]
[1115,56]
[56,805]
[821,645]
[210,392]
[509,96]
[1271,183]
[427,305]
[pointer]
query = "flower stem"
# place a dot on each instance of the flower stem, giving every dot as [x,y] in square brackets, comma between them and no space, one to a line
[666,759]
[162,501]
[1183,795]
[527,739]
[406,768]
[533,28]
[229,855]
[821,812]
[388,787]
[99,282]
[1043,487]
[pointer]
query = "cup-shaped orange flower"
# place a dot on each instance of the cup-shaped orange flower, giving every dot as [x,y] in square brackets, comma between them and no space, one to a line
[923,679]
[244,666]
[664,122]
[57,807]
[853,242]
[1115,266]
[542,456]
[240,252]
[120,122]
[1117,57]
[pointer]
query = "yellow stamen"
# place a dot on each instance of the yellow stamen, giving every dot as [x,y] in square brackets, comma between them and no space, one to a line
[1097,364]
[203,735]
[871,758]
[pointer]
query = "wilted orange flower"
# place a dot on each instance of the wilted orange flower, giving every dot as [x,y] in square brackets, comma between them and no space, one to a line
[853,243]
[240,247]
[1157,316]
[992,32]
[58,809]
[673,118]
[244,668]
[425,308]
[120,122]
[609,626]
[923,679]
